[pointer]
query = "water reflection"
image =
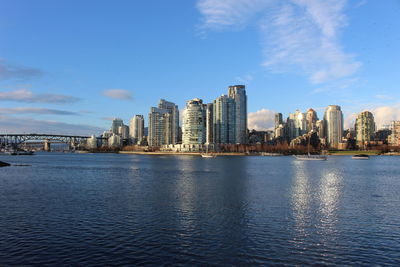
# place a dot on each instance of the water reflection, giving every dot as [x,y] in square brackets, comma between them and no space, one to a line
[301,197]
[330,188]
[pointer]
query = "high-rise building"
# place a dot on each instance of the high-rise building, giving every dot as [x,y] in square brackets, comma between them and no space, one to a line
[136,129]
[224,114]
[116,123]
[238,93]
[311,117]
[296,124]
[172,121]
[163,124]
[194,122]
[333,119]
[365,127]
[123,131]
[394,138]
[209,124]
[278,120]
[319,125]
[114,141]
[157,126]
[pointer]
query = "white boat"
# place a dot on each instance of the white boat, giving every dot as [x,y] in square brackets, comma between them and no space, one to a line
[310,157]
[208,155]
[271,154]
[360,156]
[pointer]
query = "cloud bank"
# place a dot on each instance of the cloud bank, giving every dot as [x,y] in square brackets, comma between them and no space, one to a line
[32,110]
[120,94]
[296,34]
[14,71]
[383,116]
[261,120]
[27,96]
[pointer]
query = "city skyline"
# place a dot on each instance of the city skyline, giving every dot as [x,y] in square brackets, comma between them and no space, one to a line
[64,69]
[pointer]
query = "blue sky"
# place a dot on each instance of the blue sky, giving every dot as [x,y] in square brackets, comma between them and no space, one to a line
[70,66]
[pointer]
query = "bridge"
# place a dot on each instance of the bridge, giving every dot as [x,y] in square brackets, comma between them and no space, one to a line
[15,140]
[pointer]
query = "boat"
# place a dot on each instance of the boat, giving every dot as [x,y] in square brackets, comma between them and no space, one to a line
[310,157]
[264,154]
[19,152]
[208,155]
[360,156]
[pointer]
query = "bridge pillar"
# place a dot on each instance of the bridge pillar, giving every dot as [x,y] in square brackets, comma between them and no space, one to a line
[47,146]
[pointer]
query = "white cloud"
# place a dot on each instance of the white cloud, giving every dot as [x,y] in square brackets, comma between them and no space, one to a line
[24,95]
[383,115]
[296,33]
[11,124]
[120,94]
[261,120]
[218,14]
[245,79]
[33,110]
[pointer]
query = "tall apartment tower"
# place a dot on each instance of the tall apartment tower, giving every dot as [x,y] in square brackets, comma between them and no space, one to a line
[116,123]
[297,124]
[278,119]
[320,127]
[163,124]
[333,119]
[238,93]
[224,113]
[394,138]
[136,128]
[172,121]
[209,123]
[311,117]
[365,127]
[194,122]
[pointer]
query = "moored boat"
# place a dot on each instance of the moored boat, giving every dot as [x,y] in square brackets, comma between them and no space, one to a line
[208,155]
[310,157]
[360,156]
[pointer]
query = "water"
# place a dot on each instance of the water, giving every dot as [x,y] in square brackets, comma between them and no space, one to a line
[110,209]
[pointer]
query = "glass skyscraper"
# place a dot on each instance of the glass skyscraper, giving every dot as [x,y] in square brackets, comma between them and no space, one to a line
[238,94]
[224,113]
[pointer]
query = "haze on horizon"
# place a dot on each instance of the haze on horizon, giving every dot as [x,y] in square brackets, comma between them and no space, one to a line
[70,66]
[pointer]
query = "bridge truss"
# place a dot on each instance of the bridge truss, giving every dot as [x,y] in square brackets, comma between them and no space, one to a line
[16,140]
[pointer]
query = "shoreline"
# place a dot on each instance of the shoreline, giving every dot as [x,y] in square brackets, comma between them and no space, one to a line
[161,153]
[341,153]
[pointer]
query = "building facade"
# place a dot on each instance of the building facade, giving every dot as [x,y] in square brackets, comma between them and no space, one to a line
[116,123]
[311,118]
[136,129]
[333,120]
[224,113]
[194,122]
[394,138]
[238,94]
[365,127]
[209,124]
[171,121]
[157,125]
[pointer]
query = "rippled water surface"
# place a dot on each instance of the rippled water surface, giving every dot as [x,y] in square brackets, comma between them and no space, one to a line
[110,209]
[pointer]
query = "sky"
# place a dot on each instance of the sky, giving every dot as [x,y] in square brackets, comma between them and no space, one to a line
[69,67]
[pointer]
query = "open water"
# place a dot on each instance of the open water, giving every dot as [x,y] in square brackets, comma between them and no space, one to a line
[115,210]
